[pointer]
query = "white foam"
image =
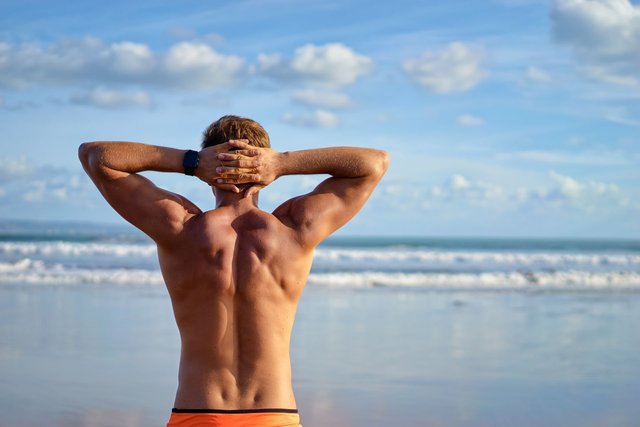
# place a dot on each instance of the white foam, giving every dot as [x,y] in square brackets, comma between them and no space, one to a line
[354,257]
[476,257]
[126,263]
[36,272]
[72,249]
[562,280]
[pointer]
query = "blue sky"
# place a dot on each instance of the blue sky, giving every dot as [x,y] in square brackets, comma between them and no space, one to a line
[502,118]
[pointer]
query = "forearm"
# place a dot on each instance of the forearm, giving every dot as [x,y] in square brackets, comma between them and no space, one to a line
[129,157]
[340,162]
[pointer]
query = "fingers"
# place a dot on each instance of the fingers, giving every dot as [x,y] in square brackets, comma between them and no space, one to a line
[228,187]
[228,171]
[231,144]
[238,155]
[239,143]
[242,163]
[241,178]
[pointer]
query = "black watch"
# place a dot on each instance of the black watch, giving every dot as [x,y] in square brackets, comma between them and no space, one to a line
[190,162]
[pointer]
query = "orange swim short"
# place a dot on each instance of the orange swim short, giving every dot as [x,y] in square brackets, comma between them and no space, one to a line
[275,417]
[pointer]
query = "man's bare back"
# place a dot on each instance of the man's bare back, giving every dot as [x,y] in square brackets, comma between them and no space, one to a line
[235,278]
[234,273]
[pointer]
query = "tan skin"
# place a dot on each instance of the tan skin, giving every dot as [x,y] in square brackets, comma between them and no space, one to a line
[234,273]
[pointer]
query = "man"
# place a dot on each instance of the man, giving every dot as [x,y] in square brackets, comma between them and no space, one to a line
[234,273]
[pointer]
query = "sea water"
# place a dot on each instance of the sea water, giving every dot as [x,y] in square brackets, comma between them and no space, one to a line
[84,254]
[389,331]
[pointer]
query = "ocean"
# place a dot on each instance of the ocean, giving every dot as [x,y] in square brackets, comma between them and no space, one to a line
[389,331]
[40,254]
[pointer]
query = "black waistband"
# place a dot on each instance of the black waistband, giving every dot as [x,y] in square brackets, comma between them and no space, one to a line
[233,411]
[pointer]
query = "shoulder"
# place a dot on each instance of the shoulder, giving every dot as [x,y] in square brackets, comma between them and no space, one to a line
[269,230]
[286,213]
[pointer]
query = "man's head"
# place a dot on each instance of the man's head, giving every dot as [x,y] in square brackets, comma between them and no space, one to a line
[234,127]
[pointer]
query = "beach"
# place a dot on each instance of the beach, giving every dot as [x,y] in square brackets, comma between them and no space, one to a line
[87,336]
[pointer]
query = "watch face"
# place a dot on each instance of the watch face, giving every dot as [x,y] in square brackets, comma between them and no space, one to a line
[190,162]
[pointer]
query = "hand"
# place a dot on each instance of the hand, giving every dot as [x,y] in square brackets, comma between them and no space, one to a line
[209,163]
[248,163]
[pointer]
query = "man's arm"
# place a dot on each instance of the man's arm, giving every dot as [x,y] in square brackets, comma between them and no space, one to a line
[114,167]
[355,172]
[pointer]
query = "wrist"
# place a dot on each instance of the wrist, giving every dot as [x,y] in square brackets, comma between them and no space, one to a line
[282,160]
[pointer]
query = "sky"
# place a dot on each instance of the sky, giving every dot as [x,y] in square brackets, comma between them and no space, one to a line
[508,118]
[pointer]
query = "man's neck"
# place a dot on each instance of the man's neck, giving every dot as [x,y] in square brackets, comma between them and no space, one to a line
[228,198]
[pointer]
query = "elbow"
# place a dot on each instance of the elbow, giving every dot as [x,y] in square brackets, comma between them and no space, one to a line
[382,162]
[88,155]
[83,152]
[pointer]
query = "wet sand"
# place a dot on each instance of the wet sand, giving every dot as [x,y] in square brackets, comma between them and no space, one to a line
[85,355]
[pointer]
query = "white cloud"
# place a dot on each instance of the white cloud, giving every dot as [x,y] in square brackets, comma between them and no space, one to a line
[457,68]
[189,33]
[186,65]
[568,186]
[393,189]
[41,191]
[59,193]
[105,98]
[469,120]
[619,115]
[198,66]
[321,71]
[36,193]
[271,63]
[588,195]
[459,188]
[322,98]
[604,34]
[14,169]
[458,182]
[130,59]
[587,157]
[557,191]
[26,184]
[314,119]
[332,65]
[538,75]
[4,105]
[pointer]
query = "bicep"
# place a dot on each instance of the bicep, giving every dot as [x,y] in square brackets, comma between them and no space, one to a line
[157,212]
[328,207]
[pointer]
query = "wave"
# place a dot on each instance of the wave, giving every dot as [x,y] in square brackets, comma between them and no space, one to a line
[37,272]
[560,280]
[74,249]
[476,257]
[345,256]
[64,262]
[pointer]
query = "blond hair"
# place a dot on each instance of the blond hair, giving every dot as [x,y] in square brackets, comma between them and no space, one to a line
[235,127]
